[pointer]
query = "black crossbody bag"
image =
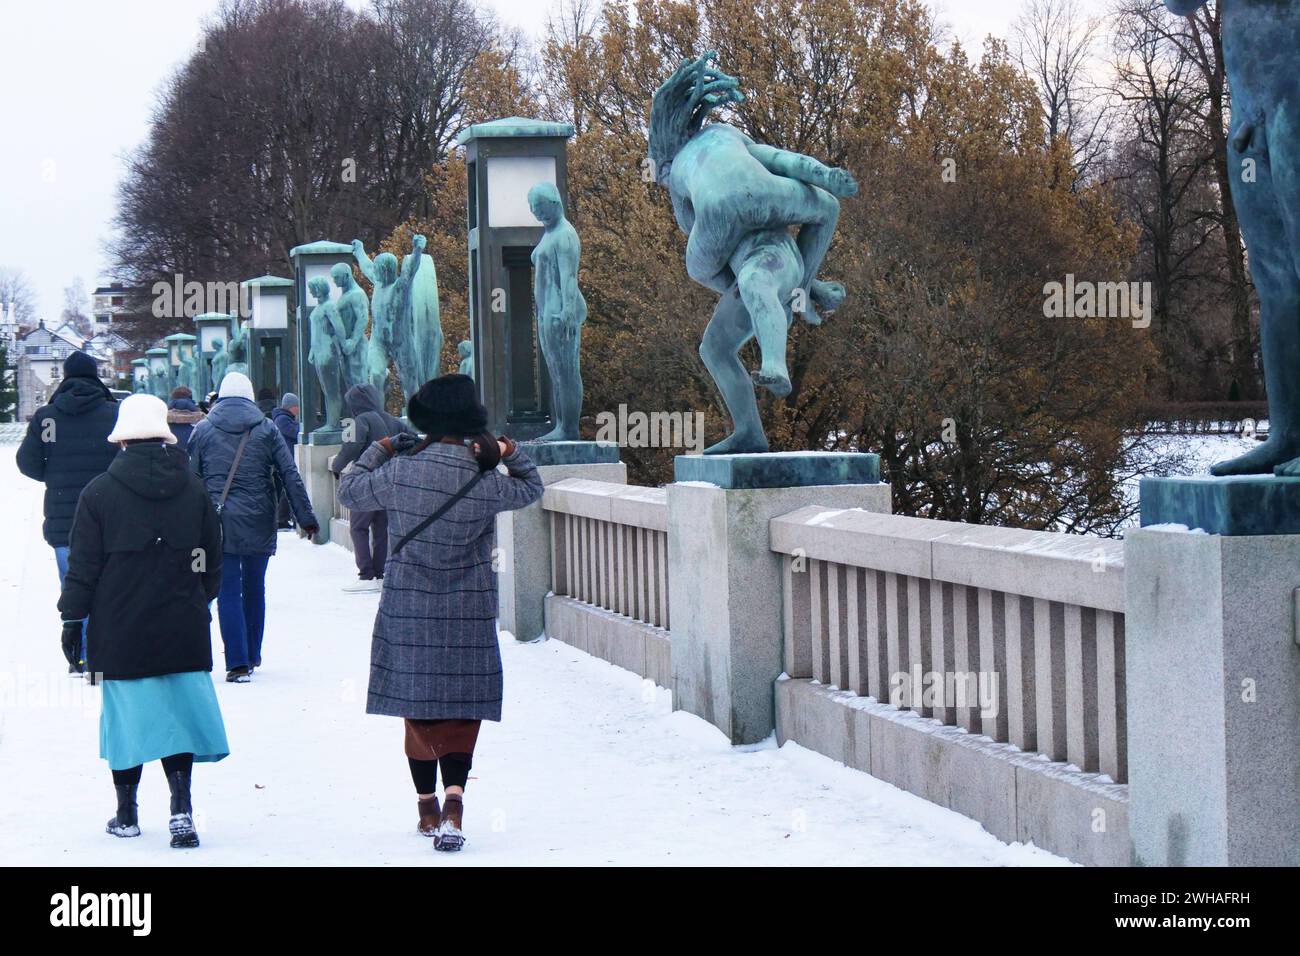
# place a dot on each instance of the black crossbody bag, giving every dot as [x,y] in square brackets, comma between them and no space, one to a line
[234,466]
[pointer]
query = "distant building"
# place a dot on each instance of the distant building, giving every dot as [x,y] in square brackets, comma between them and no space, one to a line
[108,301]
[41,353]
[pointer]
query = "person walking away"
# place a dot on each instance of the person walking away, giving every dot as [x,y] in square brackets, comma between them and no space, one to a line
[285,418]
[266,401]
[183,415]
[66,446]
[369,529]
[144,562]
[434,659]
[237,451]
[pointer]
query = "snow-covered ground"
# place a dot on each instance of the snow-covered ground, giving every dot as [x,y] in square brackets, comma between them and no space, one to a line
[589,766]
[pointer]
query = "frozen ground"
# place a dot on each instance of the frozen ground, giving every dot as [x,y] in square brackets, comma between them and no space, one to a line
[590,766]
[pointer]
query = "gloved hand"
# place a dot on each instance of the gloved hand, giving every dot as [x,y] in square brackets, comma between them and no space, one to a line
[398,444]
[308,531]
[71,641]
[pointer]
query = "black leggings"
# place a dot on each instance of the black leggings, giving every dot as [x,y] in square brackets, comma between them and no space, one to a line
[455,772]
[176,762]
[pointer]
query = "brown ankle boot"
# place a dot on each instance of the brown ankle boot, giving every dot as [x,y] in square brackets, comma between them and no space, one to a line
[430,816]
[450,838]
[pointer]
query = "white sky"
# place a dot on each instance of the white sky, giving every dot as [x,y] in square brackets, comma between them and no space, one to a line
[79,78]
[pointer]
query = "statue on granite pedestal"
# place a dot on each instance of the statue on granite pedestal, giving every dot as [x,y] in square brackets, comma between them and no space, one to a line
[1260,39]
[561,309]
[326,351]
[465,351]
[354,314]
[391,316]
[737,200]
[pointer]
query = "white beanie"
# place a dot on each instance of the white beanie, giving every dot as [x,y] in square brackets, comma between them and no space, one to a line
[142,417]
[236,385]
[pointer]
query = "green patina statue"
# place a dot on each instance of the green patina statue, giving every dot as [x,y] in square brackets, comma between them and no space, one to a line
[354,314]
[561,309]
[392,331]
[326,352]
[238,351]
[465,351]
[1260,39]
[736,200]
[219,363]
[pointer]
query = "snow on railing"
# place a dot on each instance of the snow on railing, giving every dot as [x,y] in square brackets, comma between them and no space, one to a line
[1018,635]
[610,546]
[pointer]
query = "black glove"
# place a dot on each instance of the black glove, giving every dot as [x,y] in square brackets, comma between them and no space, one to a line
[71,641]
[403,442]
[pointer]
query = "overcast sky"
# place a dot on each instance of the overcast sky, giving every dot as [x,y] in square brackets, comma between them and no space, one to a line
[80,77]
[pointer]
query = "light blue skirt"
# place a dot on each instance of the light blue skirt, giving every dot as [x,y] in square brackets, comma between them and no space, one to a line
[155,717]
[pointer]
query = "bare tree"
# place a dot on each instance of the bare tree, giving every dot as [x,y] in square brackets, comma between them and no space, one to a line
[17,297]
[1056,46]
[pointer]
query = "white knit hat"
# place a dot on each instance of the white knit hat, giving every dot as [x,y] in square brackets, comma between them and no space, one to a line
[236,385]
[142,416]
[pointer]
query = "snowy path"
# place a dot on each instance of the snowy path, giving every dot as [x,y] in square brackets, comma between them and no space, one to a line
[589,766]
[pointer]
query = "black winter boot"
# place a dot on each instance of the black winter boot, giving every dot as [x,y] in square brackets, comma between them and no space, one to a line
[184,835]
[127,821]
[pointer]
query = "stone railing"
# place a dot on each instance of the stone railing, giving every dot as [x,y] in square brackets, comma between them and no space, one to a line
[1014,636]
[609,573]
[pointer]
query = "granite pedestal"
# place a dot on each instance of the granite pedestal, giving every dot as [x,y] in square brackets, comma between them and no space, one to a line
[313,465]
[724,581]
[1213,672]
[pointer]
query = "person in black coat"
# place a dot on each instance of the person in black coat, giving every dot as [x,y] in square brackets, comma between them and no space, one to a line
[66,445]
[248,514]
[144,563]
[369,529]
[285,418]
[183,415]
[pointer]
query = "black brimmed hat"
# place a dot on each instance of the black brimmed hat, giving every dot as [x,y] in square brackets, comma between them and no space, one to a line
[447,405]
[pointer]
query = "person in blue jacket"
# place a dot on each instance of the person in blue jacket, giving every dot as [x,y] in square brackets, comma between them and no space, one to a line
[248,513]
[66,446]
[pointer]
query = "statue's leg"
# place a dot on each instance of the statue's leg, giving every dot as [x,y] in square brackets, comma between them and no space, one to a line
[728,330]
[1269,211]
[783,162]
[765,281]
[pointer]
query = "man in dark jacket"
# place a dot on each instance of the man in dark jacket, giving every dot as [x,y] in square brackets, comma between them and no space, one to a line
[182,415]
[66,445]
[144,562]
[285,419]
[369,529]
[248,513]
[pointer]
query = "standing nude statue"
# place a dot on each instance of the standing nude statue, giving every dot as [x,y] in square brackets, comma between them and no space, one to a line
[737,200]
[219,363]
[326,350]
[561,309]
[465,351]
[390,312]
[354,314]
[1260,39]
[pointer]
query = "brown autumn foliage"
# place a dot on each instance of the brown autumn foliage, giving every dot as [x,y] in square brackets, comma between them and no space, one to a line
[941,359]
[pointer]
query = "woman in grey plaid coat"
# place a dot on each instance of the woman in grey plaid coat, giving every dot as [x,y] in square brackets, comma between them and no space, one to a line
[434,658]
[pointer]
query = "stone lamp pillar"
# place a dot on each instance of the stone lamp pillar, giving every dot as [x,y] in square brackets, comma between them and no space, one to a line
[160,383]
[212,327]
[271,351]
